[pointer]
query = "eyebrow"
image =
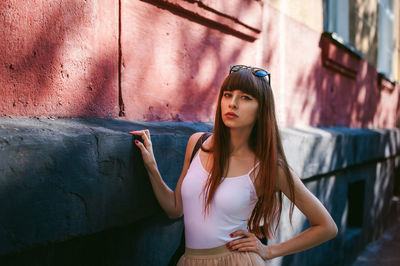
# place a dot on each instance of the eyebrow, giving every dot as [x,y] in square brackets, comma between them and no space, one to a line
[247,94]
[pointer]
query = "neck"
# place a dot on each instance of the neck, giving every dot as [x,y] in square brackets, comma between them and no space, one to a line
[239,141]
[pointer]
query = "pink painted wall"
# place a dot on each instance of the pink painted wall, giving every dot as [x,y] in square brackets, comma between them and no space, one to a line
[61,58]
[173,63]
[307,93]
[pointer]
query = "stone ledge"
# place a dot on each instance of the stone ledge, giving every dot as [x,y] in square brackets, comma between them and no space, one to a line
[318,151]
[64,178]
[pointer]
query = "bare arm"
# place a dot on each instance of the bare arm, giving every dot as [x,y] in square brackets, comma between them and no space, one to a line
[170,201]
[322,227]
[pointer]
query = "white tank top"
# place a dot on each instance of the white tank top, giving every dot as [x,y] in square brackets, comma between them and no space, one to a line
[232,205]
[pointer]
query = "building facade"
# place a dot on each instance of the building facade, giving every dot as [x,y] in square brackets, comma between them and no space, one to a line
[76,76]
[333,63]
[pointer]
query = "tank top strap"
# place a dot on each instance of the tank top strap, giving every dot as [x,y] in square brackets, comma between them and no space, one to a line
[252,169]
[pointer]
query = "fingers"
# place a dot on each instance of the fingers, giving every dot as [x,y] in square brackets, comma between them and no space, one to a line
[145,134]
[140,145]
[249,243]
[142,133]
[243,244]
[238,242]
[145,148]
[246,243]
[241,233]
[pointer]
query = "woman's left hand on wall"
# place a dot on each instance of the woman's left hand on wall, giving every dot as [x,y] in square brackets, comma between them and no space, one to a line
[146,147]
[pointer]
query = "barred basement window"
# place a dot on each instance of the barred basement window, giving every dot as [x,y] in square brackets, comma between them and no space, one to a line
[355,199]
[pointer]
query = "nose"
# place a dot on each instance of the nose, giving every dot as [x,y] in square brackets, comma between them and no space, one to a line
[233,103]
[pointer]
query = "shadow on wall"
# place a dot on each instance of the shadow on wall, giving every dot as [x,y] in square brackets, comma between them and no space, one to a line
[84,176]
[337,100]
[360,214]
[200,53]
[49,66]
[354,183]
[70,185]
[364,33]
[325,189]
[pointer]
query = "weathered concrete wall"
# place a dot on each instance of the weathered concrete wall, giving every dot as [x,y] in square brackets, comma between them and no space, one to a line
[164,60]
[72,189]
[353,172]
[59,58]
[175,54]
[70,58]
[308,93]
[67,178]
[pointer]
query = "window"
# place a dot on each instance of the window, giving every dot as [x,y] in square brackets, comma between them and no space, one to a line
[337,18]
[385,37]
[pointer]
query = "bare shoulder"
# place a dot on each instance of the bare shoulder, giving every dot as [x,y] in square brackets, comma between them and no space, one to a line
[302,196]
[284,176]
[192,141]
[194,138]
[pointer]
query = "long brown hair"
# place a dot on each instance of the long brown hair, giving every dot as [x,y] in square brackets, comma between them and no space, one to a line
[265,142]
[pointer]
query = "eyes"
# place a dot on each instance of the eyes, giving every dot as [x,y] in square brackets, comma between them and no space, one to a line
[243,96]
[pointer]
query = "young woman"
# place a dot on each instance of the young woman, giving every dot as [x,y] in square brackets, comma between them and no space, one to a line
[235,182]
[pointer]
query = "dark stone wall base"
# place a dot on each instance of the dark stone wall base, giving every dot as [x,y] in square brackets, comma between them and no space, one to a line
[150,241]
[75,191]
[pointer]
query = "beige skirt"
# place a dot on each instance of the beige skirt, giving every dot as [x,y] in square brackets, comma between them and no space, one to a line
[219,256]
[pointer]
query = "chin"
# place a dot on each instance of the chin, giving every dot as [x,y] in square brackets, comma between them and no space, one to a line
[235,125]
[228,123]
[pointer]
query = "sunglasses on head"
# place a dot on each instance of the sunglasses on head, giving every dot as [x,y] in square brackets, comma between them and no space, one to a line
[258,72]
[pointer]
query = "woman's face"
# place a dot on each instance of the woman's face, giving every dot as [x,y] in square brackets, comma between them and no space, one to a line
[238,109]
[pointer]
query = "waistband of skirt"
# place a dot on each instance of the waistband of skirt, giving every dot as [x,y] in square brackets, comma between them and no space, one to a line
[207,251]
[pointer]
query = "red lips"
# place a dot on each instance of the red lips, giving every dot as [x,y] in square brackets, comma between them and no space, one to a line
[231,115]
